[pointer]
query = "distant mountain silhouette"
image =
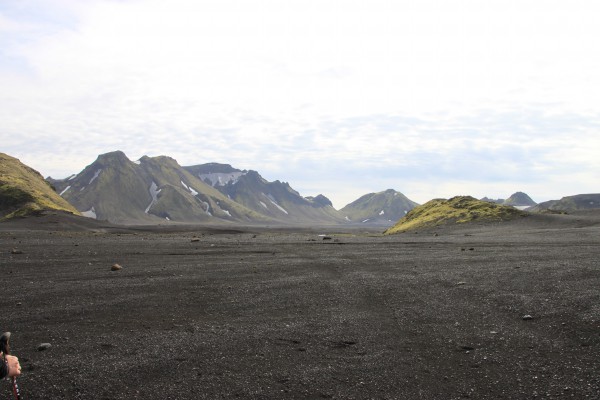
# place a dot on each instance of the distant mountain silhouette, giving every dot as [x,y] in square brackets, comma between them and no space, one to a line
[276,200]
[383,208]
[519,199]
[569,203]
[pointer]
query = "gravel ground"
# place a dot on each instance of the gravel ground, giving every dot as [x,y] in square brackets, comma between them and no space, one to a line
[507,311]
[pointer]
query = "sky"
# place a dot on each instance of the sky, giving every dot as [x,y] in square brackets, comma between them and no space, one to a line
[433,98]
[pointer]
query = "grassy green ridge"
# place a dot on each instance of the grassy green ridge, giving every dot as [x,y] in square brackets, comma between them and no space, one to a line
[459,210]
[24,191]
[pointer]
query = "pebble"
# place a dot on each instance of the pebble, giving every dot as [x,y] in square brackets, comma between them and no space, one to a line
[44,346]
[16,251]
[527,317]
[116,267]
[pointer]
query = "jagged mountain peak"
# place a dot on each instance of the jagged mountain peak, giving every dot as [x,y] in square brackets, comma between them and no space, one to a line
[112,157]
[320,200]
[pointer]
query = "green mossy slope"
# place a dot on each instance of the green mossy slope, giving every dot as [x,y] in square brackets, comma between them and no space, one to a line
[459,209]
[24,191]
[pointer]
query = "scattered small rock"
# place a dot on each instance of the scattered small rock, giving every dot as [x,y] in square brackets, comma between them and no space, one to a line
[16,251]
[195,240]
[326,238]
[461,283]
[43,346]
[116,267]
[527,317]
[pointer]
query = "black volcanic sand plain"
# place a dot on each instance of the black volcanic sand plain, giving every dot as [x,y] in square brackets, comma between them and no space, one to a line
[486,311]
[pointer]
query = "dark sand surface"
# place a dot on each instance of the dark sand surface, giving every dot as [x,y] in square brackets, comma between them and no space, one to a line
[263,313]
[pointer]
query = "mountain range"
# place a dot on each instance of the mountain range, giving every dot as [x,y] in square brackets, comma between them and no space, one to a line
[153,190]
[276,200]
[157,189]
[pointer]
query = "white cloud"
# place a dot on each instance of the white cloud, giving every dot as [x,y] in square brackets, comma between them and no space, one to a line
[273,85]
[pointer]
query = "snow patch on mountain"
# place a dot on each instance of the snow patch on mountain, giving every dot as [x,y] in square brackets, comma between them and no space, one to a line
[382,212]
[64,191]
[72,177]
[206,207]
[222,178]
[226,212]
[264,205]
[272,200]
[189,189]
[95,176]
[91,213]
[154,191]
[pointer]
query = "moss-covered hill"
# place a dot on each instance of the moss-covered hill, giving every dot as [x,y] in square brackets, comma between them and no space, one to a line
[459,209]
[24,191]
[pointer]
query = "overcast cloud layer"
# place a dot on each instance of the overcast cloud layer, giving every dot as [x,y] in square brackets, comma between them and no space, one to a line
[432,98]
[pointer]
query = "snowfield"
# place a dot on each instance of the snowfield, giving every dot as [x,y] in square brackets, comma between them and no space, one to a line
[154,191]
